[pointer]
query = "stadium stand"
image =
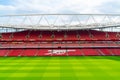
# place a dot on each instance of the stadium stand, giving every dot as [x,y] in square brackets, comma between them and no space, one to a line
[59,43]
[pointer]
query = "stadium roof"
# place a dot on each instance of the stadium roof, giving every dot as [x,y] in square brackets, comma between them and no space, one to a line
[60,21]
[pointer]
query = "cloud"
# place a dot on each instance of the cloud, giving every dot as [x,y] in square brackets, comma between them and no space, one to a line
[111,7]
[57,6]
[7,7]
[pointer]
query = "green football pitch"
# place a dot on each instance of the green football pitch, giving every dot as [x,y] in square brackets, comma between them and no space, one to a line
[60,68]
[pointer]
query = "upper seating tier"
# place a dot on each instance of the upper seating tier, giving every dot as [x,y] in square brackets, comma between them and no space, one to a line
[59,35]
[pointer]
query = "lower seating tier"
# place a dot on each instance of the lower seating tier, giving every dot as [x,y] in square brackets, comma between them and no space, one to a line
[60,52]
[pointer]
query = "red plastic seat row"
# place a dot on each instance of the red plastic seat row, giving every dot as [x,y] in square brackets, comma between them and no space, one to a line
[60,52]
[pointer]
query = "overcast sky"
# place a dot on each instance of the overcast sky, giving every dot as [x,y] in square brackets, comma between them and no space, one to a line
[59,6]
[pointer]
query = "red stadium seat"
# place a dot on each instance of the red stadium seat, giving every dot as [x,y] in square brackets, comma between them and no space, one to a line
[29,52]
[106,52]
[6,36]
[3,52]
[90,52]
[113,36]
[71,35]
[97,35]
[74,52]
[14,52]
[20,36]
[44,52]
[35,35]
[115,52]
[59,35]
[84,35]
[46,36]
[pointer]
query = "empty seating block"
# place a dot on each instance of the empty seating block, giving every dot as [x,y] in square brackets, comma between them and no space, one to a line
[90,52]
[47,36]
[115,52]
[35,35]
[71,35]
[84,35]
[44,52]
[3,52]
[59,36]
[21,36]
[29,52]
[113,36]
[97,35]
[14,53]
[106,52]
[6,36]
[74,52]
